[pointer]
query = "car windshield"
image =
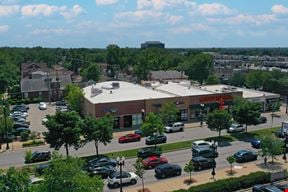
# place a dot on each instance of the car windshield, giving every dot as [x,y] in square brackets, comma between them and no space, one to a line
[170,125]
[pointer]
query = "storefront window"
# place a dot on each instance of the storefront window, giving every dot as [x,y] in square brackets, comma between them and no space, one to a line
[136,120]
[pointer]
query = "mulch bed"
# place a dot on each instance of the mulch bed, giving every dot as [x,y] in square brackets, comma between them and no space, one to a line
[189,182]
[145,190]
[231,173]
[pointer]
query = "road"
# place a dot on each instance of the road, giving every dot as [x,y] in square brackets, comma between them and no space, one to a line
[183,156]
[16,157]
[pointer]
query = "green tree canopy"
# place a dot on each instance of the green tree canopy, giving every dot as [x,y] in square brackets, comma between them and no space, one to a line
[189,168]
[64,128]
[14,180]
[254,79]
[169,112]
[246,112]
[238,79]
[92,72]
[74,97]
[66,175]
[152,125]
[231,159]
[219,120]
[212,80]
[98,130]
[271,146]
[140,171]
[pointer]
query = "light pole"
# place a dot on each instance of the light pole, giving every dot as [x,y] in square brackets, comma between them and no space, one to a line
[120,163]
[201,114]
[5,123]
[214,148]
[143,114]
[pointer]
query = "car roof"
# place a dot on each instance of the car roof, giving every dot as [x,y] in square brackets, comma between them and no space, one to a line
[152,158]
[200,141]
[243,151]
[199,158]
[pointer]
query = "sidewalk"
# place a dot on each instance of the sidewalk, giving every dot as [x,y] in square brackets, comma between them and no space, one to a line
[177,183]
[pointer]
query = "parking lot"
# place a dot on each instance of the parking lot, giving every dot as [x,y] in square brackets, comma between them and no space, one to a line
[35,116]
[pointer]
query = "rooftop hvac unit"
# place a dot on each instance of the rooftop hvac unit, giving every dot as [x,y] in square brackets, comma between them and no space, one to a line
[115,85]
[95,91]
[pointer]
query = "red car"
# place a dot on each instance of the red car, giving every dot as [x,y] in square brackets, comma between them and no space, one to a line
[129,138]
[154,161]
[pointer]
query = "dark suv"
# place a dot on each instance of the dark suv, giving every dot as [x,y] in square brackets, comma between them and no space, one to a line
[265,188]
[156,139]
[204,152]
[148,152]
[201,163]
[167,170]
[40,156]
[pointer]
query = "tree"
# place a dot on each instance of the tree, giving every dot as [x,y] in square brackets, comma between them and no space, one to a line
[212,80]
[14,180]
[254,79]
[9,124]
[64,128]
[189,168]
[231,159]
[152,125]
[238,79]
[246,112]
[74,97]
[98,130]
[219,120]
[169,112]
[271,146]
[113,59]
[92,72]
[138,165]
[66,175]
[28,156]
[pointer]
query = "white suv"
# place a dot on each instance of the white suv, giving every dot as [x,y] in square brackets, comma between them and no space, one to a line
[114,179]
[201,143]
[173,127]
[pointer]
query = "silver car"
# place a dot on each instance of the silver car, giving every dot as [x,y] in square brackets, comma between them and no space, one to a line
[235,127]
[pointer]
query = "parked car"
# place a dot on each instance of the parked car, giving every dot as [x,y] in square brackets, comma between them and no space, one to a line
[38,156]
[235,128]
[173,127]
[155,139]
[103,171]
[17,125]
[102,161]
[204,152]
[19,130]
[20,108]
[42,106]
[61,103]
[201,143]
[21,120]
[129,138]
[148,152]
[114,178]
[256,143]
[201,163]
[40,168]
[44,120]
[265,188]
[167,170]
[261,120]
[154,161]
[139,132]
[245,156]
[19,113]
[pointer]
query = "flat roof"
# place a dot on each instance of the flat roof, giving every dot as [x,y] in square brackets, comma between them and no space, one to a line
[182,89]
[103,92]
[247,93]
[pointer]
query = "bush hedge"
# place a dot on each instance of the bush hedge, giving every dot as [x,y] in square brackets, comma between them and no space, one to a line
[231,184]
[33,143]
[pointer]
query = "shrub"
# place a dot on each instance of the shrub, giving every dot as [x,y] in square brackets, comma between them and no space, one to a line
[33,143]
[24,135]
[231,184]
[28,156]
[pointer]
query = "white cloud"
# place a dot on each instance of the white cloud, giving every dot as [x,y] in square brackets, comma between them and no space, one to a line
[173,19]
[47,10]
[191,28]
[139,14]
[279,9]
[8,9]
[106,2]
[4,28]
[242,18]
[207,9]
[59,31]
[162,4]
[8,2]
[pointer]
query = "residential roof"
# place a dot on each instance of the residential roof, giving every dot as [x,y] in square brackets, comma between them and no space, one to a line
[247,93]
[123,91]
[165,75]
[181,89]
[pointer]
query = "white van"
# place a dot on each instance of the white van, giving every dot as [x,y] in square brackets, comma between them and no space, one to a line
[173,127]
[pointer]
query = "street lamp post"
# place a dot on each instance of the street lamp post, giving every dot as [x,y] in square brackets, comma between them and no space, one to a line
[143,114]
[120,163]
[214,148]
[201,114]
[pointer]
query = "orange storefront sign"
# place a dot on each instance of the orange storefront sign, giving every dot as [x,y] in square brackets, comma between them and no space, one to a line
[218,98]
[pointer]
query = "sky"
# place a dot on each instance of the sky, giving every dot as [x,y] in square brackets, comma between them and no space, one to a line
[128,23]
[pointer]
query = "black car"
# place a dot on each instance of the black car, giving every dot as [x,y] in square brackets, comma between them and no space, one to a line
[61,103]
[201,163]
[245,156]
[204,152]
[17,125]
[167,170]
[40,168]
[265,188]
[155,139]
[21,108]
[38,156]
[148,152]
[19,130]
[103,171]
[256,143]
[101,161]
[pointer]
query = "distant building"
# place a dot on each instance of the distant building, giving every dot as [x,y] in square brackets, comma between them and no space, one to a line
[152,44]
[167,75]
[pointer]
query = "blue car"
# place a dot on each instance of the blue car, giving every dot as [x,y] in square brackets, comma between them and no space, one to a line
[256,143]
[139,132]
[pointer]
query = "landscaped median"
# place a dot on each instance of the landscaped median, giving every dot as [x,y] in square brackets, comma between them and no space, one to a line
[131,153]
